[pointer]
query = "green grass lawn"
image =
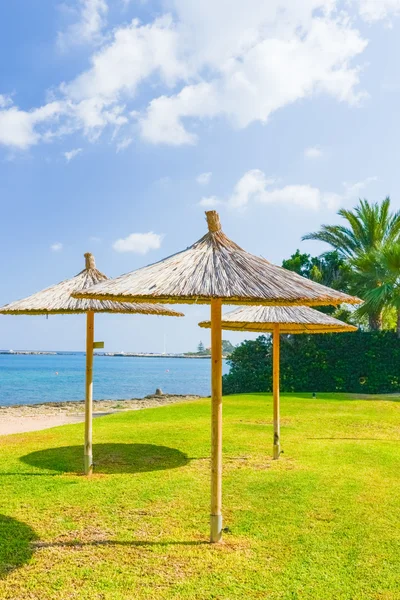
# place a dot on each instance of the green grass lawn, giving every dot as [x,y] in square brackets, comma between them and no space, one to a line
[323,522]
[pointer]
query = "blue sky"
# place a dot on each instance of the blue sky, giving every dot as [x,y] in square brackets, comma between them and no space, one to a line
[121,121]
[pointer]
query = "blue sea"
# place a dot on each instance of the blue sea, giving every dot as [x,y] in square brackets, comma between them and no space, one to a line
[34,379]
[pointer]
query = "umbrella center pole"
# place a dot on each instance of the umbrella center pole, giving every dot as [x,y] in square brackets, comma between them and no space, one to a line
[216,421]
[88,452]
[276,394]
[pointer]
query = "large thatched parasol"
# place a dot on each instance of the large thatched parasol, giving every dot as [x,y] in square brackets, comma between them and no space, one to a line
[277,320]
[57,300]
[213,271]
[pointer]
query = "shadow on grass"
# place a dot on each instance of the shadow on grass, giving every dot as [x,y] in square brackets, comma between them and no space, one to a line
[15,544]
[109,458]
[136,543]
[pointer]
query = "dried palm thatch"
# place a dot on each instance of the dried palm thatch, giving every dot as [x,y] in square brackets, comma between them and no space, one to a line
[291,319]
[215,267]
[57,298]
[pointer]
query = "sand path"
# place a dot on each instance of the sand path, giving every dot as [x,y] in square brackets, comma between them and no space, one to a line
[34,417]
[10,425]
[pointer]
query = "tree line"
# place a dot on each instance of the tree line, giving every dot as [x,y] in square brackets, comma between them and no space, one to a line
[227,349]
[364,260]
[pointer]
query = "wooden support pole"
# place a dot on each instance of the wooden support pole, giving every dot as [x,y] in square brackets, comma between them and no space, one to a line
[275,371]
[88,452]
[216,421]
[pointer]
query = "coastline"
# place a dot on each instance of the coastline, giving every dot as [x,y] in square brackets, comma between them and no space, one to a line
[22,418]
[113,354]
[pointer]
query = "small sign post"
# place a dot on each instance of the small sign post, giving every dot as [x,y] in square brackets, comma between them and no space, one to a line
[98,345]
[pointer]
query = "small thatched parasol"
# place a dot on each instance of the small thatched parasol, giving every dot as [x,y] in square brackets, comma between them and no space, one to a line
[57,300]
[277,320]
[213,271]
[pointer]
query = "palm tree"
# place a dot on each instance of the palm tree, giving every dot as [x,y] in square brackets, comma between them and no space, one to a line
[370,227]
[381,265]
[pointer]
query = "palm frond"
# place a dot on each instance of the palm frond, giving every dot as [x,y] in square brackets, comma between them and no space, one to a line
[374,300]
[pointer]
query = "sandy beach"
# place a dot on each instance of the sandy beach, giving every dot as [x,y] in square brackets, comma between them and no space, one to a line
[34,417]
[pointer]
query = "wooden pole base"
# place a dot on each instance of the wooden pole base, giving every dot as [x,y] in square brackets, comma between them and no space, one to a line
[276,399]
[215,528]
[88,460]
[277,451]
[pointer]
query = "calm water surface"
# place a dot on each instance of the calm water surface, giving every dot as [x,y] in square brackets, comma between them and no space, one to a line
[33,379]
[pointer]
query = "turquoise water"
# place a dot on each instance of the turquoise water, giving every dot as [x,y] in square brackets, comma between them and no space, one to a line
[33,379]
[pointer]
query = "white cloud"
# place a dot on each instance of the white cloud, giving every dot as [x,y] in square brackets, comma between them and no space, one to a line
[305,196]
[91,19]
[375,10]
[313,152]
[255,187]
[5,100]
[204,178]
[72,154]
[286,54]
[123,144]
[210,201]
[17,128]
[135,52]
[162,124]
[352,190]
[140,243]
[198,65]
[97,97]
[127,3]
[22,129]
[57,247]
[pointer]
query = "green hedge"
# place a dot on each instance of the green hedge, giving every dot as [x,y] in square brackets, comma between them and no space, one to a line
[359,362]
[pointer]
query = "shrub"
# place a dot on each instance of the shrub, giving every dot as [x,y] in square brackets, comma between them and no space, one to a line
[359,362]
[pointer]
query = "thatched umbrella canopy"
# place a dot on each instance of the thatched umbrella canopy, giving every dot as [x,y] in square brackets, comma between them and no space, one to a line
[57,300]
[277,320]
[215,267]
[213,271]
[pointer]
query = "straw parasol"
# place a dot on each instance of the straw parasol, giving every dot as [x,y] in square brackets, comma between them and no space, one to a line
[214,271]
[57,300]
[277,320]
